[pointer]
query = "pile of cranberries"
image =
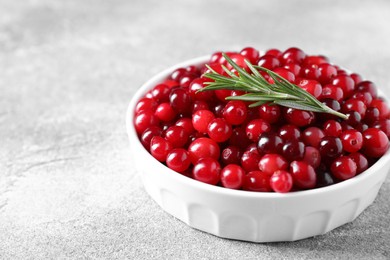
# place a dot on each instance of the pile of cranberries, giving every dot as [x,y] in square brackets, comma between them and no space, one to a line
[269,147]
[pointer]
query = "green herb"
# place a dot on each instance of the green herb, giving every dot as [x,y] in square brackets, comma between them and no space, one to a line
[260,91]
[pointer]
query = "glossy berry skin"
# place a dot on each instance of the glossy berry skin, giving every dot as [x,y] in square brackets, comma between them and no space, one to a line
[368,86]
[207,170]
[299,117]
[201,120]
[255,128]
[289,132]
[332,128]
[270,163]
[161,93]
[293,150]
[195,86]
[178,160]
[269,143]
[354,104]
[250,161]
[177,136]
[148,134]
[343,168]
[352,140]
[376,142]
[146,104]
[250,54]
[232,176]
[361,162]
[159,148]
[235,112]
[332,92]
[180,100]
[324,178]
[383,125]
[270,113]
[311,86]
[281,181]
[312,156]
[269,62]
[165,112]
[292,55]
[383,108]
[346,83]
[203,147]
[231,155]
[186,123]
[303,175]
[326,72]
[312,136]
[257,181]
[144,120]
[219,130]
[330,147]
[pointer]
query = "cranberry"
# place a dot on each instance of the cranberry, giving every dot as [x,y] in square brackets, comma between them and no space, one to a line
[361,162]
[294,68]
[330,147]
[355,105]
[269,143]
[219,130]
[310,71]
[231,155]
[381,105]
[199,105]
[250,161]
[357,78]
[324,178]
[372,115]
[222,94]
[314,60]
[270,163]
[178,74]
[250,54]
[284,73]
[292,55]
[366,85]
[203,147]
[332,128]
[165,112]
[352,140]
[363,96]
[235,112]
[257,181]
[343,168]
[180,100]
[269,62]
[346,83]
[270,113]
[332,92]
[239,138]
[312,136]
[148,134]
[312,156]
[216,57]
[326,72]
[311,86]
[159,148]
[177,136]
[186,123]
[293,150]
[186,80]
[288,132]
[178,160]
[195,86]
[146,104]
[144,120]
[303,175]
[232,176]
[218,109]
[383,125]
[255,128]
[161,92]
[375,143]
[299,117]
[281,181]
[201,119]
[274,52]
[207,170]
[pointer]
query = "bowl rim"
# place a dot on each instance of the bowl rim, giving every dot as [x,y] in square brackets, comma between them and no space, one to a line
[134,140]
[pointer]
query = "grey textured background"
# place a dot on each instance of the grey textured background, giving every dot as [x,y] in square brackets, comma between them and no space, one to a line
[67,72]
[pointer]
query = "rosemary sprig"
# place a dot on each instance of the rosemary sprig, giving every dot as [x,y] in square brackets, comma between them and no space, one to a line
[260,91]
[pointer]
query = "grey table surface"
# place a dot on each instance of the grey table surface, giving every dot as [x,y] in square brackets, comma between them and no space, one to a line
[67,72]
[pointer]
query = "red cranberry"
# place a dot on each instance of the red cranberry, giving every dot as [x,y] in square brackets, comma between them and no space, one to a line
[284,73]
[288,132]
[353,118]
[312,136]
[222,94]
[326,72]
[235,112]
[293,150]
[145,119]
[231,155]
[273,52]
[381,105]
[201,119]
[199,105]
[232,176]
[269,62]
[178,160]
[357,78]
[270,113]
[159,148]
[177,136]
[303,175]
[281,181]
[352,140]
[375,143]
[332,92]
[250,161]
[161,93]
[250,54]
[255,128]
[257,181]
[203,147]
[366,85]
[315,60]
[294,55]
[299,117]
[178,74]
[343,168]
[363,96]
[311,86]
[198,84]
[324,178]
[146,104]
[219,130]
[269,143]
[330,147]
[332,128]
[148,134]
[346,83]
[383,125]
[312,156]
[180,100]
[355,105]
[310,71]
[361,162]
[207,170]
[165,112]
[186,123]
[294,68]
[271,162]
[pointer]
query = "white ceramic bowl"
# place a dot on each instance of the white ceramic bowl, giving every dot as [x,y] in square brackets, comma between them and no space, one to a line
[251,216]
